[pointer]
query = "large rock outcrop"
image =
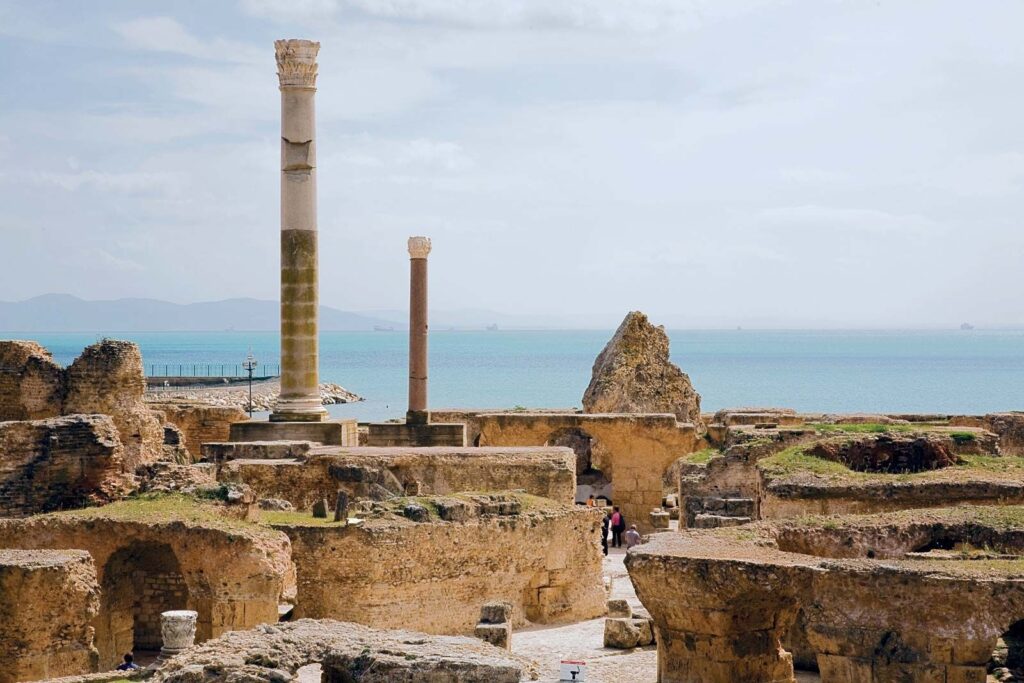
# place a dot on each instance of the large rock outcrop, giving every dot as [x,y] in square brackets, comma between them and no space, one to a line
[633,374]
[108,379]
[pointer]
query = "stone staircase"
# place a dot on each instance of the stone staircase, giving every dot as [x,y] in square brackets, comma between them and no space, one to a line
[709,512]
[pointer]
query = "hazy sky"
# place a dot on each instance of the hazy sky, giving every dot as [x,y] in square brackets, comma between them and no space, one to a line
[713,163]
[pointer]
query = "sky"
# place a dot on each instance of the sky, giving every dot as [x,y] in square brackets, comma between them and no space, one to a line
[763,163]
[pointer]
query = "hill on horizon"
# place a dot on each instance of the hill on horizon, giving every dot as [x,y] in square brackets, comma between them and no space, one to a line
[69,313]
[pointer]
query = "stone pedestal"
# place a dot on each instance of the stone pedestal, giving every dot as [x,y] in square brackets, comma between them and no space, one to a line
[300,395]
[330,433]
[178,629]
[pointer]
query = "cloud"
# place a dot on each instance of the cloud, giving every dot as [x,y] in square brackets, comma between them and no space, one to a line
[366,151]
[104,258]
[812,217]
[592,15]
[126,183]
[164,34]
[302,11]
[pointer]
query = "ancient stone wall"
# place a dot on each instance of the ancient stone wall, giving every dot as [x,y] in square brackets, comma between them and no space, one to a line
[31,383]
[48,599]
[1008,426]
[633,451]
[201,423]
[108,379]
[60,463]
[434,576]
[545,472]
[235,573]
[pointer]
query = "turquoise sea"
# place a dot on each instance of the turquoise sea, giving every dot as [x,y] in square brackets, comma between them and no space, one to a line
[842,371]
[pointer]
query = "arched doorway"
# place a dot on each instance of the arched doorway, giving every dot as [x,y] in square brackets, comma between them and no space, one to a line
[139,582]
[1009,653]
[589,479]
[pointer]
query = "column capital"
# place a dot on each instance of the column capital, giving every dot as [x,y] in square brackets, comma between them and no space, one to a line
[419,247]
[296,62]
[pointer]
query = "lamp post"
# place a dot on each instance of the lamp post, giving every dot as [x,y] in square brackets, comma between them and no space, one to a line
[250,364]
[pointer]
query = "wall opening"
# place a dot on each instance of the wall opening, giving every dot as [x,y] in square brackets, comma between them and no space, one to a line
[590,481]
[139,582]
[1009,653]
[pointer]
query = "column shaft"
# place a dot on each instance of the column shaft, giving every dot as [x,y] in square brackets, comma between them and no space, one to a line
[300,393]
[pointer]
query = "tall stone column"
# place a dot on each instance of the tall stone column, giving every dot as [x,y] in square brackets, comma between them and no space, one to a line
[300,394]
[419,248]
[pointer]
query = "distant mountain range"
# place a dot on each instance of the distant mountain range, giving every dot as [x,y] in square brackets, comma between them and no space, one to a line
[67,313]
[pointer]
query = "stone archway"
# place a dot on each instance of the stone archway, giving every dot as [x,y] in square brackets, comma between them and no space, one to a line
[1009,652]
[139,582]
[591,479]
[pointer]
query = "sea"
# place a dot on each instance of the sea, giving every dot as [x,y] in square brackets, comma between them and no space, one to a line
[955,371]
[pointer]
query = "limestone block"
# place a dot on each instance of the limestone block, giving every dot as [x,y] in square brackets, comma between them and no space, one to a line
[619,608]
[499,635]
[416,513]
[621,633]
[496,613]
[660,519]
[646,629]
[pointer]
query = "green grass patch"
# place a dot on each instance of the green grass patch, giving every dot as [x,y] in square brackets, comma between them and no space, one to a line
[794,460]
[992,463]
[701,457]
[962,437]
[166,507]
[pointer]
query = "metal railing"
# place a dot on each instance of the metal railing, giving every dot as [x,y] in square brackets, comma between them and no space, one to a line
[212,370]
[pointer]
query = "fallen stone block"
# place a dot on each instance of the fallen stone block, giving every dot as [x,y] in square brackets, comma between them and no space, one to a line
[496,613]
[619,608]
[621,633]
[499,635]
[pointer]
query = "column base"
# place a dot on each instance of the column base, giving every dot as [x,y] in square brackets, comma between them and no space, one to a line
[305,409]
[417,417]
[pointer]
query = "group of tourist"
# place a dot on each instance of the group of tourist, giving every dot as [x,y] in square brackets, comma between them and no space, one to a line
[615,521]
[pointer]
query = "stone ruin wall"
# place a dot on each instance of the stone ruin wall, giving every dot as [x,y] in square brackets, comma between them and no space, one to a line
[234,578]
[434,576]
[107,379]
[632,450]
[47,602]
[199,422]
[31,383]
[782,501]
[544,472]
[63,462]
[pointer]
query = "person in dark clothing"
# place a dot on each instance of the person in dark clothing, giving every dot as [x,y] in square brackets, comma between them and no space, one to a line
[604,534]
[129,663]
[618,526]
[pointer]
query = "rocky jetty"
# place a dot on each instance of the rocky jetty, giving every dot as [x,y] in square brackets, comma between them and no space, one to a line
[633,374]
[264,395]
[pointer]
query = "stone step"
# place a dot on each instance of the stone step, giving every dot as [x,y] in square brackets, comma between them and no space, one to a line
[706,521]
